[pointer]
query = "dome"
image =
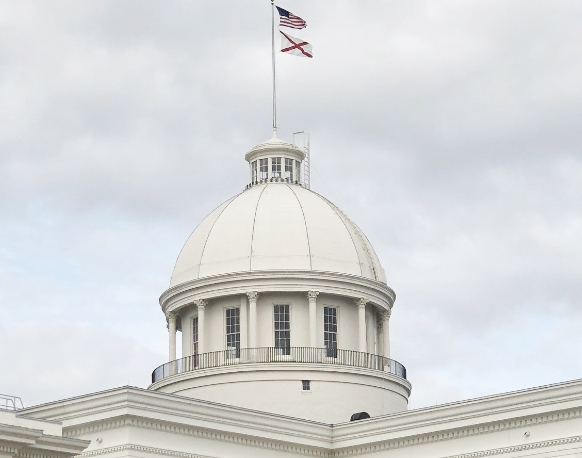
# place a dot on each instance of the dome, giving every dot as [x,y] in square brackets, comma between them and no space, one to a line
[276,226]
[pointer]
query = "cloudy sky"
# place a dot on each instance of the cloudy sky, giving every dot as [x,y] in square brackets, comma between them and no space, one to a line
[449,130]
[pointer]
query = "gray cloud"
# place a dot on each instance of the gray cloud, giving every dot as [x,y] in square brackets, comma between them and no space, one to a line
[448,130]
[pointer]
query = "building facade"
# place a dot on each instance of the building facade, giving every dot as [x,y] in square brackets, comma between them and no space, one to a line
[284,311]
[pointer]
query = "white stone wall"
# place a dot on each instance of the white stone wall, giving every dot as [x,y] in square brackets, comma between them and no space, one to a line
[336,392]
[540,422]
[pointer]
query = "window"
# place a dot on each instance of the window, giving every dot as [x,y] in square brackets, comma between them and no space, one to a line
[254,171]
[195,336]
[276,167]
[264,168]
[330,331]
[306,385]
[289,169]
[297,171]
[233,333]
[282,329]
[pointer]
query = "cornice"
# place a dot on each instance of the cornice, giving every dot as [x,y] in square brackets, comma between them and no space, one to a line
[20,435]
[520,448]
[152,410]
[35,454]
[560,396]
[456,433]
[8,449]
[140,448]
[28,442]
[251,441]
[351,451]
[275,148]
[110,407]
[333,283]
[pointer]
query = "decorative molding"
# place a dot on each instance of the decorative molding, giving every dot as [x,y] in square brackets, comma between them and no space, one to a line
[252,295]
[349,286]
[520,448]
[56,454]
[312,294]
[190,431]
[201,303]
[299,449]
[8,449]
[140,448]
[361,302]
[465,432]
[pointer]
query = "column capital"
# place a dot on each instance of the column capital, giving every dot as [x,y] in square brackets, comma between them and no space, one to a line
[361,302]
[312,294]
[201,303]
[252,295]
[386,314]
[171,317]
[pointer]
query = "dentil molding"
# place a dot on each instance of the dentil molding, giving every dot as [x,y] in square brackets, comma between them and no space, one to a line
[140,448]
[349,451]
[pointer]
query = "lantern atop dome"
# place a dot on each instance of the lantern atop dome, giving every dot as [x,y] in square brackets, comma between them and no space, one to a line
[275,160]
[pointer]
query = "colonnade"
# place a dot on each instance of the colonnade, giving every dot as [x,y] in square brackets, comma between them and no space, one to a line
[252,325]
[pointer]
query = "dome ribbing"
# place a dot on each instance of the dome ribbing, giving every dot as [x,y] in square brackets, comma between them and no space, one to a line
[276,226]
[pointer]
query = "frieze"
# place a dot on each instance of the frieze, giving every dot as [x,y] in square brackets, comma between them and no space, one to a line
[351,451]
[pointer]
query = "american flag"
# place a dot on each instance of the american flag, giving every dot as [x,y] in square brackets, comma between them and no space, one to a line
[287,19]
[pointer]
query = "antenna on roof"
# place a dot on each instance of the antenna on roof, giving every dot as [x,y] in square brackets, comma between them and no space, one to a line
[301,140]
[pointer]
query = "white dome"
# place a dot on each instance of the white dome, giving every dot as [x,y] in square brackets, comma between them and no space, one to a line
[276,226]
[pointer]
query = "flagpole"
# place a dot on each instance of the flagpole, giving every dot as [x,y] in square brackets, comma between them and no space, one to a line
[274,73]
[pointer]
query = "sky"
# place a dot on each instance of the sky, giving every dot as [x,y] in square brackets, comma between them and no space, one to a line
[448,130]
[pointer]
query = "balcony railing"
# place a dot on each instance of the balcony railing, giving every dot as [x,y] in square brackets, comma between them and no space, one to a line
[304,355]
[8,402]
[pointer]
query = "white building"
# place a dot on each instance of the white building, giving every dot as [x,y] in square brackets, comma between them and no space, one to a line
[284,314]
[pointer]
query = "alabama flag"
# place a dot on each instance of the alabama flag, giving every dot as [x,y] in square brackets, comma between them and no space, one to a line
[295,46]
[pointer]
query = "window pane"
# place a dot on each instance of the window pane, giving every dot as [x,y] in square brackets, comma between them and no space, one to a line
[254,171]
[289,169]
[330,331]
[264,168]
[282,327]
[233,332]
[276,167]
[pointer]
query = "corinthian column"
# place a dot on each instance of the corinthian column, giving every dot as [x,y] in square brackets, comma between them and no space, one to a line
[172,335]
[252,318]
[312,297]
[201,305]
[362,346]
[386,333]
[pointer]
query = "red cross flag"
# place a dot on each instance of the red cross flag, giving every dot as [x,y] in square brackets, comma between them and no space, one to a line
[295,46]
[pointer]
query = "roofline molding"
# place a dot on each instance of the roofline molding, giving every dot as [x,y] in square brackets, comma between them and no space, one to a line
[239,283]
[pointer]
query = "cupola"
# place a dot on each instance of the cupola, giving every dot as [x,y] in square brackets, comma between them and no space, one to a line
[275,160]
